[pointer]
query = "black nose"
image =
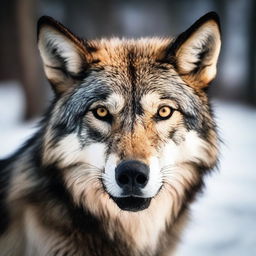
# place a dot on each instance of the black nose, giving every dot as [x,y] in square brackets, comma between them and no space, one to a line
[132,175]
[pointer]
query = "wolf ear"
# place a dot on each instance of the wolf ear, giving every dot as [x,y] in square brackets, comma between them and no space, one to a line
[195,52]
[64,56]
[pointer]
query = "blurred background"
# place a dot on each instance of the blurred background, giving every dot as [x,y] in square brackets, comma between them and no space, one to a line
[223,220]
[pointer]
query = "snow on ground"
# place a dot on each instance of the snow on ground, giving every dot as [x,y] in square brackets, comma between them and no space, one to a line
[12,131]
[223,220]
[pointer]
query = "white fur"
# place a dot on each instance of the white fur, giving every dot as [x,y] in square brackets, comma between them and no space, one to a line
[155,178]
[109,176]
[68,151]
[192,149]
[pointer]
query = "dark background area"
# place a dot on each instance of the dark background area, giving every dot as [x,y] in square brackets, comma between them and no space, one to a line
[20,59]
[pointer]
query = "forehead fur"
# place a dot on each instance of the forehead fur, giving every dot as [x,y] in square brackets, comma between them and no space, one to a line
[134,67]
[115,51]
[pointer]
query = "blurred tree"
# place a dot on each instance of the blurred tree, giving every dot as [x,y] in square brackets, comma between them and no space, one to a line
[31,77]
[8,41]
[19,55]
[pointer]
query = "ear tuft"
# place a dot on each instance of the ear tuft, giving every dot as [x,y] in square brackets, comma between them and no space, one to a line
[195,52]
[64,55]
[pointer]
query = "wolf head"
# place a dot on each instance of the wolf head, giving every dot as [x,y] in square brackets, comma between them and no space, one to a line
[131,127]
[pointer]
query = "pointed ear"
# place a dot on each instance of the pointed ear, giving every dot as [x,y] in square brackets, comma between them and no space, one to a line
[195,52]
[65,57]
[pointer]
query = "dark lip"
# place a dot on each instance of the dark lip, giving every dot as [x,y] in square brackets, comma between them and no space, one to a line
[131,203]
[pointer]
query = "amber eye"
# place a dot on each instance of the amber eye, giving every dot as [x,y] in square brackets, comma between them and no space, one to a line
[164,112]
[102,112]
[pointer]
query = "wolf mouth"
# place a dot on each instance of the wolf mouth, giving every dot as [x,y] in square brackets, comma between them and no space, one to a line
[131,203]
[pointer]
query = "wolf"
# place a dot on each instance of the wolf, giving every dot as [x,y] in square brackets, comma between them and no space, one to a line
[122,150]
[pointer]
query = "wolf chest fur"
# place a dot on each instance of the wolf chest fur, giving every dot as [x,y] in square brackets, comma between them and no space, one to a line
[122,150]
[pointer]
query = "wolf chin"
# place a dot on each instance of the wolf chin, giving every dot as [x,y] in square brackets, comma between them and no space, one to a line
[122,150]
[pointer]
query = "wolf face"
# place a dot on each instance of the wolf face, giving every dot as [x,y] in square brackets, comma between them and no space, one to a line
[131,128]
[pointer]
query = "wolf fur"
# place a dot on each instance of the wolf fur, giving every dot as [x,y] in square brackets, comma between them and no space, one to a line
[56,192]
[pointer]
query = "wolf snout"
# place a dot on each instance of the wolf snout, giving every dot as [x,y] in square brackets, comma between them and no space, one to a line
[132,176]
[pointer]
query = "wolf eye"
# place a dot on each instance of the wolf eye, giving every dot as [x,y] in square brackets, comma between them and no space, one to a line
[102,113]
[164,112]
